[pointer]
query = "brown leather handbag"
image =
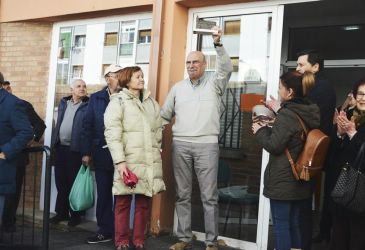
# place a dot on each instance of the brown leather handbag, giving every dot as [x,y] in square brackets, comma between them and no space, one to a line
[311,159]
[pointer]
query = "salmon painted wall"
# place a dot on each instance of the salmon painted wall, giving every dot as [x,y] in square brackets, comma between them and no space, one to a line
[171,67]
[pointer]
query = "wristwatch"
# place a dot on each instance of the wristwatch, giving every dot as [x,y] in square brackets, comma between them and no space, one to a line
[217,45]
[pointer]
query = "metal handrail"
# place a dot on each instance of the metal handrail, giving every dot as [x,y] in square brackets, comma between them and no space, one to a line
[47,192]
[47,195]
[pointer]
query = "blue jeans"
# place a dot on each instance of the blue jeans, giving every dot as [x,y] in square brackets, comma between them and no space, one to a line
[285,216]
[104,205]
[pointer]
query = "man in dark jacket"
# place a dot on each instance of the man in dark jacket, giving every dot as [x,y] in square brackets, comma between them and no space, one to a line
[15,133]
[324,95]
[94,145]
[66,140]
[12,200]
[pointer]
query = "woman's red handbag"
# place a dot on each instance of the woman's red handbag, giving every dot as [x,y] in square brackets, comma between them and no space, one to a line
[131,179]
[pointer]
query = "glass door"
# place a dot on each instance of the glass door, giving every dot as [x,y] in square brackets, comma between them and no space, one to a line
[252,38]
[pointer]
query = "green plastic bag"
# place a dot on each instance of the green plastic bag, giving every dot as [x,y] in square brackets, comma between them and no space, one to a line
[82,192]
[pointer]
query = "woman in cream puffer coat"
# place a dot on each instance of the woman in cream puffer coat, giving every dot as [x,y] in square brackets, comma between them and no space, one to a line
[133,132]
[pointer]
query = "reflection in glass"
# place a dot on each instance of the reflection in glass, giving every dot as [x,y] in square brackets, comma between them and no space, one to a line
[246,39]
[64,49]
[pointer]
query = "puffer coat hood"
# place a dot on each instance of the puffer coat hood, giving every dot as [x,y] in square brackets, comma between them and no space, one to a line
[133,132]
[279,182]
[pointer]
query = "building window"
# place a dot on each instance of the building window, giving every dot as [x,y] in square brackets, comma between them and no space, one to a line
[211,61]
[144,36]
[80,41]
[111,39]
[77,71]
[127,38]
[232,27]
[128,35]
[94,46]
[235,63]
[126,49]
[65,42]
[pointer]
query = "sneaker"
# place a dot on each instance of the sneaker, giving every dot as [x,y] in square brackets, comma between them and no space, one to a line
[98,238]
[57,219]
[211,247]
[74,221]
[181,245]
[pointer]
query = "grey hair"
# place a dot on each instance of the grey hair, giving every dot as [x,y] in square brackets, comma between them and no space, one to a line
[72,85]
[200,53]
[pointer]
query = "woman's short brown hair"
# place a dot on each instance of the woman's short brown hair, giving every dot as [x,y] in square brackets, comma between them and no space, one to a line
[126,75]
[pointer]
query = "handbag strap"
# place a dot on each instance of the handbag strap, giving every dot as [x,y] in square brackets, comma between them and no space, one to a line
[305,129]
[292,164]
[359,160]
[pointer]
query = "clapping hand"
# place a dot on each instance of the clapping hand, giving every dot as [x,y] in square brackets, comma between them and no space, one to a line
[344,125]
[272,104]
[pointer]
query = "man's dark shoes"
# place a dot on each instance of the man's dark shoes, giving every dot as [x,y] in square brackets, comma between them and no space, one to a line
[98,238]
[321,238]
[58,218]
[74,221]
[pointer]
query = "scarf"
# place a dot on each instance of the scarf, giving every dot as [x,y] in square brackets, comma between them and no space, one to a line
[359,117]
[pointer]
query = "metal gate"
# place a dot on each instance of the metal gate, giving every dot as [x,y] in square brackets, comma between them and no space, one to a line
[30,231]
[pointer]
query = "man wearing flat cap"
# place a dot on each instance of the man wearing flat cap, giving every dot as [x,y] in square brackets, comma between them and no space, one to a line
[94,147]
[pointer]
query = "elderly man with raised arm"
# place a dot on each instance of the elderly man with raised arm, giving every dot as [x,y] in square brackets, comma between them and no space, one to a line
[195,102]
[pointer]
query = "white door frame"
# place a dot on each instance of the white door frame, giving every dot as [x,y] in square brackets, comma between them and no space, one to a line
[52,82]
[277,10]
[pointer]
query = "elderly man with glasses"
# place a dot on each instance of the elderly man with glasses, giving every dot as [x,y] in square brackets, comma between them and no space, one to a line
[195,104]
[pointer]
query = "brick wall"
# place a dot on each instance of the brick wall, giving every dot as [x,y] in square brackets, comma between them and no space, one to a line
[24,61]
